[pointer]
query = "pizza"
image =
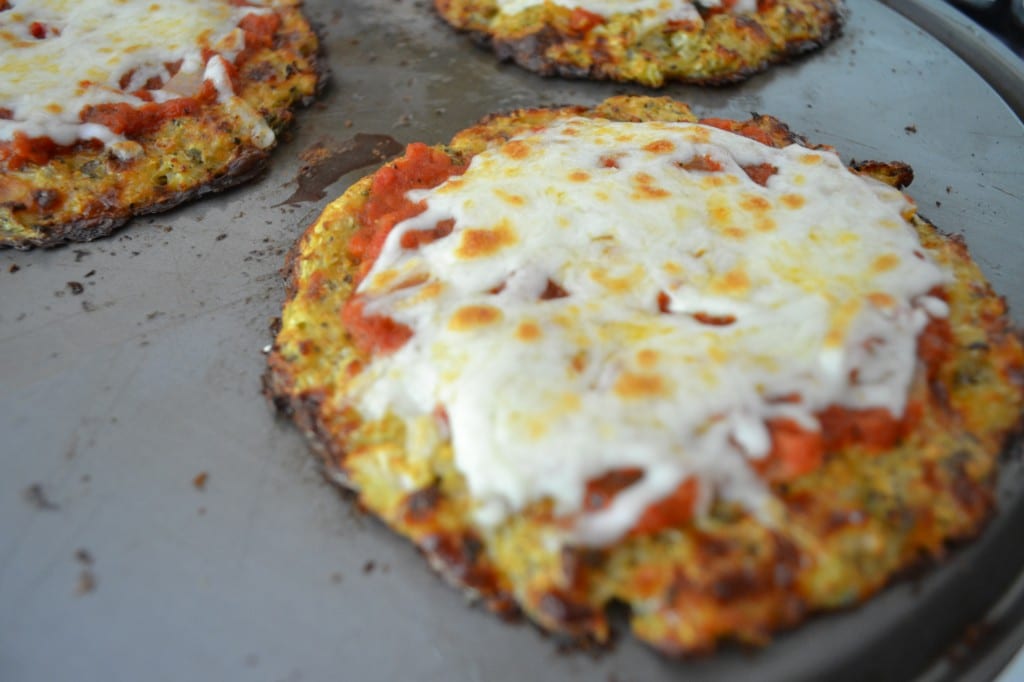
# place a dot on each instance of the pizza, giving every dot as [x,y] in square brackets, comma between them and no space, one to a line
[707,42]
[112,111]
[624,355]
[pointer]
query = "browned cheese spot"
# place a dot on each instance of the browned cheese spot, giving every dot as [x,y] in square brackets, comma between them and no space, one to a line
[647,358]
[646,189]
[792,200]
[478,243]
[720,213]
[733,282]
[881,299]
[715,180]
[528,331]
[509,198]
[516,149]
[579,362]
[630,385]
[472,317]
[885,263]
[660,147]
[755,204]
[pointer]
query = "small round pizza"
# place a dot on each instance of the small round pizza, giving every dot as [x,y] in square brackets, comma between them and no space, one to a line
[623,355]
[108,111]
[706,42]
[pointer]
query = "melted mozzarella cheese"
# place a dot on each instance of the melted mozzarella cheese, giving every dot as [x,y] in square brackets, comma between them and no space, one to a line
[661,10]
[90,45]
[822,278]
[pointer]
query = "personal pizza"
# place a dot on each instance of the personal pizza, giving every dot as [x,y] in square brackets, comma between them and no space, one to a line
[111,110]
[620,354]
[708,42]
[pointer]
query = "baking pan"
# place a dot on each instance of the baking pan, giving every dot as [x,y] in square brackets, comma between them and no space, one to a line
[157,522]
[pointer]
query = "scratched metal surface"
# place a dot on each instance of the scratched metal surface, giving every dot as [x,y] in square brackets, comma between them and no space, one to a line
[115,565]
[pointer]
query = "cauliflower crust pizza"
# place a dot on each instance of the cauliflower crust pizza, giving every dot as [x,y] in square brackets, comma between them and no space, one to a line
[708,42]
[108,111]
[698,367]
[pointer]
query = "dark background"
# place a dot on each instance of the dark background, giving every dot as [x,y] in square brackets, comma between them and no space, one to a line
[1003,18]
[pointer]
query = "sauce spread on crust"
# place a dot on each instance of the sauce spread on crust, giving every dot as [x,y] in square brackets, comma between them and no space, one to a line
[88,71]
[725,312]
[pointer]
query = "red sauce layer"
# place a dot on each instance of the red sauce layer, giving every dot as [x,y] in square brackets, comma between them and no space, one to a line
[422,167]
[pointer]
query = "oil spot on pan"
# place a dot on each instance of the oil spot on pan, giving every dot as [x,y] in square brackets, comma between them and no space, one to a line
[326,161]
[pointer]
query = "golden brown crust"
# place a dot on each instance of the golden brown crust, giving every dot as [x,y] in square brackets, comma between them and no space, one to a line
[721,48]
[87,193]
[849,527]
[248,164]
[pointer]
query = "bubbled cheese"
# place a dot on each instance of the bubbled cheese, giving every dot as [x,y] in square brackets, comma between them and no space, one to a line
[824,282]
[89,45]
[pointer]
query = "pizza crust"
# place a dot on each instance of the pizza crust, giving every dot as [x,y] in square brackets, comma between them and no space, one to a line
[849,527]
[724,48]
[249,164]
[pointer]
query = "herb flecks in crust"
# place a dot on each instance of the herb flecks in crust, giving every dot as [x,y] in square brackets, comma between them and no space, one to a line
[815,508]
[183,111]
[703,43]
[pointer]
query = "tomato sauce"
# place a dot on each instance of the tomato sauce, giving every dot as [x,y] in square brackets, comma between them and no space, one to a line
[414,239]
[372,334]
[260,30]
[935,345]
[703,163]
[760,172]
[796,451]
[132,121]
[422,167]
[728,5]
[602,490]
[23,149]
[744,128]
[581,21]
[672,510]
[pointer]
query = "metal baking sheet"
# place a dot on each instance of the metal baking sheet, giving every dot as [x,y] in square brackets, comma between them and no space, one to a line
[158,523]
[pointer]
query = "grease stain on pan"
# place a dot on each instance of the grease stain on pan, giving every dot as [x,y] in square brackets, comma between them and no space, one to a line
[327,160]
